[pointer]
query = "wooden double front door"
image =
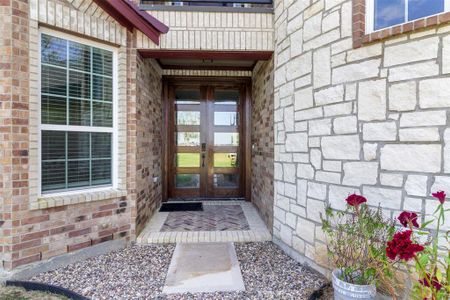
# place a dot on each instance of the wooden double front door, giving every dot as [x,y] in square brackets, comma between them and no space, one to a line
[206,134]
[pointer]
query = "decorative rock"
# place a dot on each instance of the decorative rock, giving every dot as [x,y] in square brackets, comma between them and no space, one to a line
[390,179]
[304,99]
[419,135]
[322,67]
[305,171]
[306,229]
[416,158]
[314,209]
[301,192]
[370,151]
[447,151]
[412,71]
[345,125]
[320,127]
[338,194]
[357,71]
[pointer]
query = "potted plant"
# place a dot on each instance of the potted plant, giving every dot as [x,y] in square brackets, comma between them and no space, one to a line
[356,246]
[427,249]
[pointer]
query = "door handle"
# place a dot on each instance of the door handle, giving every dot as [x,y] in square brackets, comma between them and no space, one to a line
[203,160]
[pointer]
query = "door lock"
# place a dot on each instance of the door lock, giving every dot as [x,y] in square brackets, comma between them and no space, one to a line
[203,147]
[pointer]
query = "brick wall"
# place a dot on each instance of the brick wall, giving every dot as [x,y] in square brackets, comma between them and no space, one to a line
[373,120]
[148,140]
[262,140]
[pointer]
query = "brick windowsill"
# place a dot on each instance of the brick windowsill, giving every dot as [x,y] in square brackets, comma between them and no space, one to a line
[76,198]
[359,27]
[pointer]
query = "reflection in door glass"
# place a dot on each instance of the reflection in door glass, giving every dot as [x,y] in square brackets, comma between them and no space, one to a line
[188,139]
[188,160]
[226,180]
[187,180]
[227,118]
[187,97]
[226,139]
[188,118]
[225,160]
[228,97]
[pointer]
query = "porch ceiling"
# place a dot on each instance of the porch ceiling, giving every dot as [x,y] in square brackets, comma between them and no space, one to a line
[211,60]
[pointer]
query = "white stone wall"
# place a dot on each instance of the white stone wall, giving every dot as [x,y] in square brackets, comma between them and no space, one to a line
[373,120]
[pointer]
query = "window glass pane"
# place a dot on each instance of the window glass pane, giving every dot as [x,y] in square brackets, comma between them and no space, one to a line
[188,118]
[53,110]
[422,8]
[102,88]
[101,171]
[79,85]
[53,175]
[77,173]
[101,145]
[188,138]
[226,160]
[102,114]
[78,145]
[102,61]
[79,57]
[53,50]
[229,97]
[188,160]
[225,118]
[79,112]
[53,145]
[226,180]
[187,180]
[226,138]
[187,97]
[53,81]
[388,13]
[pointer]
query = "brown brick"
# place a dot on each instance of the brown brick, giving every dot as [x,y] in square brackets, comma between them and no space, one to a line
[78,246]
[62,229]
[34,220]
[79,232]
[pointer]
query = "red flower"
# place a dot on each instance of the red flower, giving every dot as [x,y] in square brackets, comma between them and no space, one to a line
[402,246]
[440,195]
[355,200]
[406,217]
[434,281]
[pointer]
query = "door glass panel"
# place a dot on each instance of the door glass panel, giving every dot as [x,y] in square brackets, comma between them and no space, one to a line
[187,180]
[225,160]
[188,118]
[187,97]
[188,138]
[225,118]
[226,180]
[188,160]
[226,138]
[227,97]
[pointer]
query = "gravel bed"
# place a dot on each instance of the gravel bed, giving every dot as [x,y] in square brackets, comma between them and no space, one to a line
[138,272]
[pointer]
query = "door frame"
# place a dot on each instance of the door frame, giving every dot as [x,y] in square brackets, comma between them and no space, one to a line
[246,162]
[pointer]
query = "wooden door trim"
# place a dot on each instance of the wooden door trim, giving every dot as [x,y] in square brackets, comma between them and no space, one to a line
[244,83]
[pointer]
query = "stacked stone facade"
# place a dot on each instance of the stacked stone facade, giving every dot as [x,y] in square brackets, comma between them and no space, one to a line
[372,120]
[262,140]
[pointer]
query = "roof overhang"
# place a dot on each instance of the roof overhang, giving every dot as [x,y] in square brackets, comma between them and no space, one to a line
[129,16]
[206,54]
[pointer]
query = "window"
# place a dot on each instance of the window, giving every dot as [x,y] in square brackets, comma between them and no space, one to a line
[386,13]
[76,131]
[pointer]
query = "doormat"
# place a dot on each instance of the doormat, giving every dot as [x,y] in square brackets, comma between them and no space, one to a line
[186,206]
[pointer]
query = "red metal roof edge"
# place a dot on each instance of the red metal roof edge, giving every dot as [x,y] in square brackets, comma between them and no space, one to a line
[129,15]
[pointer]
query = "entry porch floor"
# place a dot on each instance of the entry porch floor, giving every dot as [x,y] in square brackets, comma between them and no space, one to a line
[220,221]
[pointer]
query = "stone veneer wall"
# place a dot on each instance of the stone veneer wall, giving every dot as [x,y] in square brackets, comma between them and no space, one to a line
[372,120]
[263,140]
[149,140]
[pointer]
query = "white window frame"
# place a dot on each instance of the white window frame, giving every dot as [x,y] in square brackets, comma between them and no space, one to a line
[113,130]
[370,15]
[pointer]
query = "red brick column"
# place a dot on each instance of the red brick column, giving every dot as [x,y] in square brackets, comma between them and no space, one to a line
[14,116]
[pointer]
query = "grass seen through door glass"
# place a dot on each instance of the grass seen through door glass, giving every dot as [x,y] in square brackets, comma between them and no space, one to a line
[221,160]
